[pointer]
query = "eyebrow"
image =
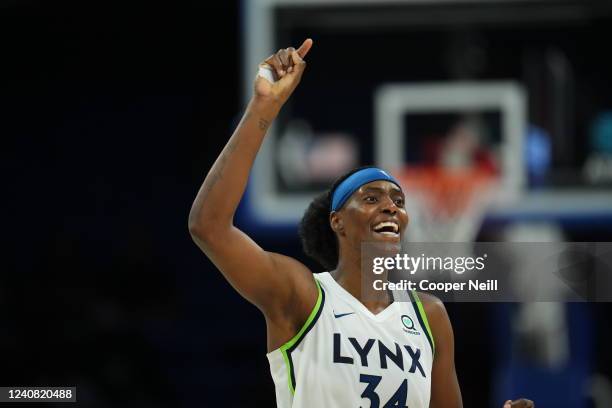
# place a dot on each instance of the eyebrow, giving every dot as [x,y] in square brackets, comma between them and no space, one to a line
[382,190]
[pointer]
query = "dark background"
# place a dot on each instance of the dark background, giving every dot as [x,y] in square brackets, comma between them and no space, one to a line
[112,113]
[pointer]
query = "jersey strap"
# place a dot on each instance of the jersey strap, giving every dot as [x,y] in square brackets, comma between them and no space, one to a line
[422,316]
[292,344]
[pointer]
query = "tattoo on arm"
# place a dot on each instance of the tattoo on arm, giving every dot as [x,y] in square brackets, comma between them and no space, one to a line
[217,173]
[263,124]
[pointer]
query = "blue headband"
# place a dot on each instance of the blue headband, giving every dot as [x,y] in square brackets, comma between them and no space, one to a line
[354,181]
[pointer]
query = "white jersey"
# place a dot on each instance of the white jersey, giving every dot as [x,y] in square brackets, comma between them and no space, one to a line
[345,356]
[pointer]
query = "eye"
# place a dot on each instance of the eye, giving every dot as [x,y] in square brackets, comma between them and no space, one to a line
[370,199]
[399,201]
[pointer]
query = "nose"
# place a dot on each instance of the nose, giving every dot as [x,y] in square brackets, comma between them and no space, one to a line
[389,206]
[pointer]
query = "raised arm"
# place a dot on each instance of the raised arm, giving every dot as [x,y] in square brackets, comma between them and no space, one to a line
[280,286]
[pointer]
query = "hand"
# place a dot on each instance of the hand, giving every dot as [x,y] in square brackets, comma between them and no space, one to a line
[286,67]
[520,403]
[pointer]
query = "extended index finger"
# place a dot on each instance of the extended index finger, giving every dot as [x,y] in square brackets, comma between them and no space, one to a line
[305,47]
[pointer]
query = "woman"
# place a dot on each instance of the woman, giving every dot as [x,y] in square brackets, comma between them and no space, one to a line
[327,346]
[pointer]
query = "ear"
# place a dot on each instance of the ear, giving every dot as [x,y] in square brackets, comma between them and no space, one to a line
[336,222]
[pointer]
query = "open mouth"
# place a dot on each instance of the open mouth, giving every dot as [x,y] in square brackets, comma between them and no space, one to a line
[387,228]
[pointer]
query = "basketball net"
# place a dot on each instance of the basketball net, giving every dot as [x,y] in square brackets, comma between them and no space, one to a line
[446,205]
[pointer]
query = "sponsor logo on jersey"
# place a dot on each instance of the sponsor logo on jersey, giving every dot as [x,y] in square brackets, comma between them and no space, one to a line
[409,325]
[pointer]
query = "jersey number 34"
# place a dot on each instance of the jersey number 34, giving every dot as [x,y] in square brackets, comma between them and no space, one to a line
[398,400]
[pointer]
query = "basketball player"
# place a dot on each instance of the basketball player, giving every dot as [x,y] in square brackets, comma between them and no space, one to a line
[326,346]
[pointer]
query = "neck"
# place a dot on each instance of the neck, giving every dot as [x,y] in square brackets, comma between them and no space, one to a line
[348,274]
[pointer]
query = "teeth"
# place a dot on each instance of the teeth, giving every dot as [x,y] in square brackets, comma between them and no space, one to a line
[384,224]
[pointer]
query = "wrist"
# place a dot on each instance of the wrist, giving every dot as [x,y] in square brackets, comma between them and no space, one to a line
[266,107]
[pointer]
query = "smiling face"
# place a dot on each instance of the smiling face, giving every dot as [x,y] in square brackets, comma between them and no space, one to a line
[375,212]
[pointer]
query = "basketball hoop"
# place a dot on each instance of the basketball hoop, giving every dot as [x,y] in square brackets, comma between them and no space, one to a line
[445,204]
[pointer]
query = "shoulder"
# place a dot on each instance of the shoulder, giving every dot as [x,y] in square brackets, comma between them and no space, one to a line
[436,315]
[292,292]
[432,304]
[304,290]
